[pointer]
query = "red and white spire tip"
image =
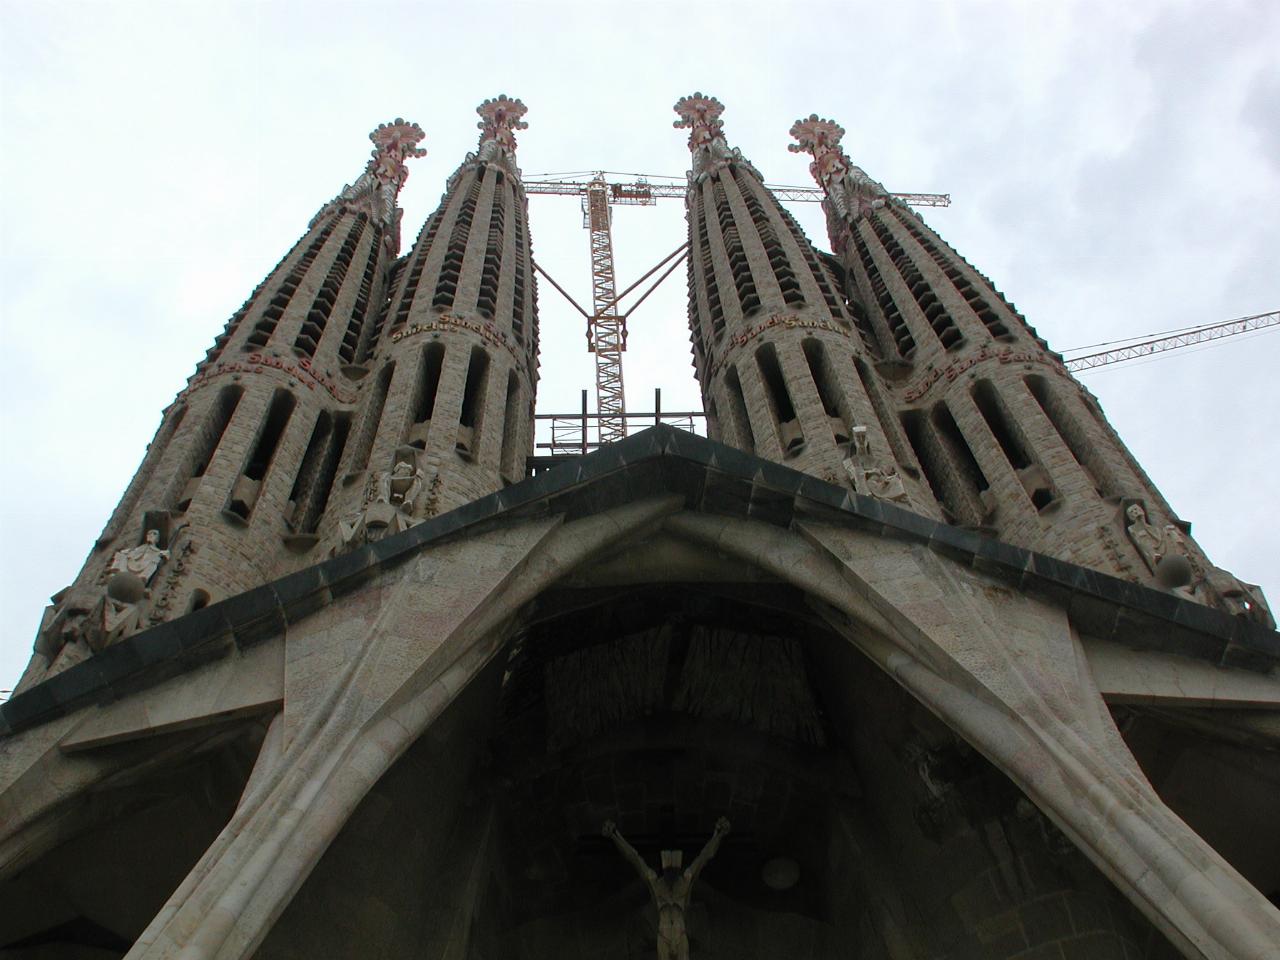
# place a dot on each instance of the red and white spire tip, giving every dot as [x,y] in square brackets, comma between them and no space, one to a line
[700,114]
[500,118]
[393,143]
[821,138]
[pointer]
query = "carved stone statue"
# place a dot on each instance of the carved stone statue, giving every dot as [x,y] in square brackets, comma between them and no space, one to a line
[141,561]
[871,477]
[1165,551]
[391,499]
[1144,534]
[401,486]
[671,889]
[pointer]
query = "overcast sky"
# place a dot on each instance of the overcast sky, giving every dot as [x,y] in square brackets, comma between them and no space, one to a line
[1115,169]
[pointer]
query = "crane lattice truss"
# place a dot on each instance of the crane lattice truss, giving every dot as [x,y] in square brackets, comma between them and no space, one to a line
[1173,341]
[607,326]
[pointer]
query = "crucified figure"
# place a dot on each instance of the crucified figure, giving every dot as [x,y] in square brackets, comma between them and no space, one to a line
[670,889]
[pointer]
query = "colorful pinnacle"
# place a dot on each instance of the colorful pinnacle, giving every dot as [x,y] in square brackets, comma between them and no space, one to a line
[701,114]
[393,143]
[499,119]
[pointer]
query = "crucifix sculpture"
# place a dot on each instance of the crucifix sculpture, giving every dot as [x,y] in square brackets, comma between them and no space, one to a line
[670,889]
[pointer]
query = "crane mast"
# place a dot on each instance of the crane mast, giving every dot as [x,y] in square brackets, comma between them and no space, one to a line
[606,328]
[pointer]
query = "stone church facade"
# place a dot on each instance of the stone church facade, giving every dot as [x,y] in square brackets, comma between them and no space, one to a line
[907,660]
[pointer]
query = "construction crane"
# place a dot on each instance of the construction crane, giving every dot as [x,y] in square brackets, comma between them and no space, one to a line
[606,324]
[1173,341]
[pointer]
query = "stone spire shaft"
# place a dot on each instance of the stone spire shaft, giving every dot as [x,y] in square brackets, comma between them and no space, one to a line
[451,391]
[772,336]
[1006,439]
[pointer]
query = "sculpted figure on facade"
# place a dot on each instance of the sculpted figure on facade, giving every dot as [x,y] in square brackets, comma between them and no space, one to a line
[113,609]
[390,503]
[870,477]
[141,561]
[1164,550]
[672,888]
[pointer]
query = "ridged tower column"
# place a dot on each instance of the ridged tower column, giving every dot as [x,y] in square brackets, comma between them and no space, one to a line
[1006,438]
[235,482]
[774,342]
[448,412]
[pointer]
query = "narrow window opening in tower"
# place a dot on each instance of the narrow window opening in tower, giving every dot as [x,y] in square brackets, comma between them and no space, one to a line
[899,332]
[742,421]
[950,263]
[744,283]
[824,380]
[788,283]
[451,268]
[1033,477]
[410,271]
[372,418]
[1073,436]
[425,402]
[827,280]
[314,484]
[283,296]
[353,348]
[317,319]
[992,410]
[308,469]
[790,436]
[937,470]
[512,467]
[487,299]
[706,264]
[244,495]
[962,454]
[944,327]
[233,325]
[473,396]
[517,300]
[892,429]
[206,444]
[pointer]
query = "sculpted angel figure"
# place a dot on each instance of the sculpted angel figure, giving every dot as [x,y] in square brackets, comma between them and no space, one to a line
[671,889]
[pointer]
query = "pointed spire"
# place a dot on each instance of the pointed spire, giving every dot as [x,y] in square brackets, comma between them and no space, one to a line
[852,193]
[393,143]
[500,118]
[375,191]
[700,114]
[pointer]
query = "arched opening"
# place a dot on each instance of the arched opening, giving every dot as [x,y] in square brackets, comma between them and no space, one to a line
[860,825]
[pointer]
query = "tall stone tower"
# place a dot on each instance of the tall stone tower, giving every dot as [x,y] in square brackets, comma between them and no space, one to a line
[909,657]
[240,472]
[1006,439]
